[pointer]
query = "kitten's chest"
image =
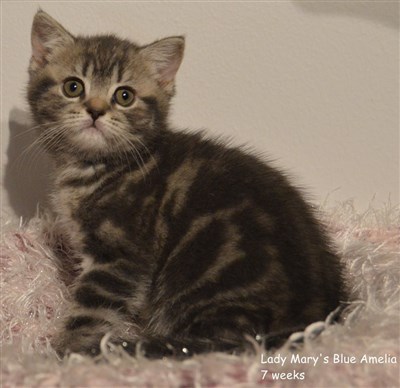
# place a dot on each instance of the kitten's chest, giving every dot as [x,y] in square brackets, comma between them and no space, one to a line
[71,230]
[73,187]
[101,209]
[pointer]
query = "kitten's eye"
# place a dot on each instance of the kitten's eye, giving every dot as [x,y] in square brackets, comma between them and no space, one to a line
[73,87]
[124,96]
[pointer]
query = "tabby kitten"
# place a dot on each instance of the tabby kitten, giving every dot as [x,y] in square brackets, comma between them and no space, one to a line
[183,241]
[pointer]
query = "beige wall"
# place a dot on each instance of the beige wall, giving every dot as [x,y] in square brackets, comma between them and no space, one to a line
[315,85]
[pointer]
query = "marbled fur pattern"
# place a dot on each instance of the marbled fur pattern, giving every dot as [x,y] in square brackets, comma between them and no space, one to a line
[183,239]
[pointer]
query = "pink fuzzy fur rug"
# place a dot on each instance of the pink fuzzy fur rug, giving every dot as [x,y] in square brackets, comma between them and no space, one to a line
[362,352]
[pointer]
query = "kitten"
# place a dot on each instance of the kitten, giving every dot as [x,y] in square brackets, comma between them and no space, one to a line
[182,240]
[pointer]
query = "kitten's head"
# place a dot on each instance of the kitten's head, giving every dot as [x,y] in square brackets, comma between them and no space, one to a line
[98,97]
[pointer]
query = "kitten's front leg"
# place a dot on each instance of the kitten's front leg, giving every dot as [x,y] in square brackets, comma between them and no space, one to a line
[99,307]
[81,333]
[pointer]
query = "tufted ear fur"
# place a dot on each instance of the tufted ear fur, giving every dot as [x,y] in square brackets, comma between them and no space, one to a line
[47,34]
[164,57]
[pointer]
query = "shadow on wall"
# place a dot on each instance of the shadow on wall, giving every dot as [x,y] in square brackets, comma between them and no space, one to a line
[26,175]
[384,13]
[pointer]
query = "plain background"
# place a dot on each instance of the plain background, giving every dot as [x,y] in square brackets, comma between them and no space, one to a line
[314,86]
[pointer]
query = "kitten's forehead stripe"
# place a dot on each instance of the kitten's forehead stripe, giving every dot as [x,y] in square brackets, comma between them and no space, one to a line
[104,56]
[85,65]
[111,69]
[120,69]
[122,62]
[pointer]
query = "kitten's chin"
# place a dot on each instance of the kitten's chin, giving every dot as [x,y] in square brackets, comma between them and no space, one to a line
[88,143]
[90,139]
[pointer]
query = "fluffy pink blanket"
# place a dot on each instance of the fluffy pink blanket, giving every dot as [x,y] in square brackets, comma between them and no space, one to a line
[363,352]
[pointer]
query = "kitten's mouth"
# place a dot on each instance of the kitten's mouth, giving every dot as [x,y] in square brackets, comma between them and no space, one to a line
[95,128]
[92,128]
[90,137]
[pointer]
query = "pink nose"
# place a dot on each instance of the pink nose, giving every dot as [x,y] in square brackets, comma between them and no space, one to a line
[96,107]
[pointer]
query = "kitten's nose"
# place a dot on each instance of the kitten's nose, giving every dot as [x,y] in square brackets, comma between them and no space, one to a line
[95,113]
[96,107]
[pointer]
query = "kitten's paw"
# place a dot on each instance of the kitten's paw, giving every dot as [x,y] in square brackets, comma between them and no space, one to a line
[156,349]
[311,332]
[67,343]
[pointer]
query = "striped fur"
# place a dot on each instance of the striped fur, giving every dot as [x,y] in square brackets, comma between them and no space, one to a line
[183,240]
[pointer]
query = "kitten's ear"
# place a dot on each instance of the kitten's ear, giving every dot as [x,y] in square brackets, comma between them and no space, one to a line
[165,57]
[47,34]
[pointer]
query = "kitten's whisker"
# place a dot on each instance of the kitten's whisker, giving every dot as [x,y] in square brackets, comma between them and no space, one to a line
[149,153]
[55,135]
[137,156]
[37,140]
[28,149]
[125,153]
[131,151]
[34,128]
[142,170]
[119,135]
[21,163]
[48,137]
